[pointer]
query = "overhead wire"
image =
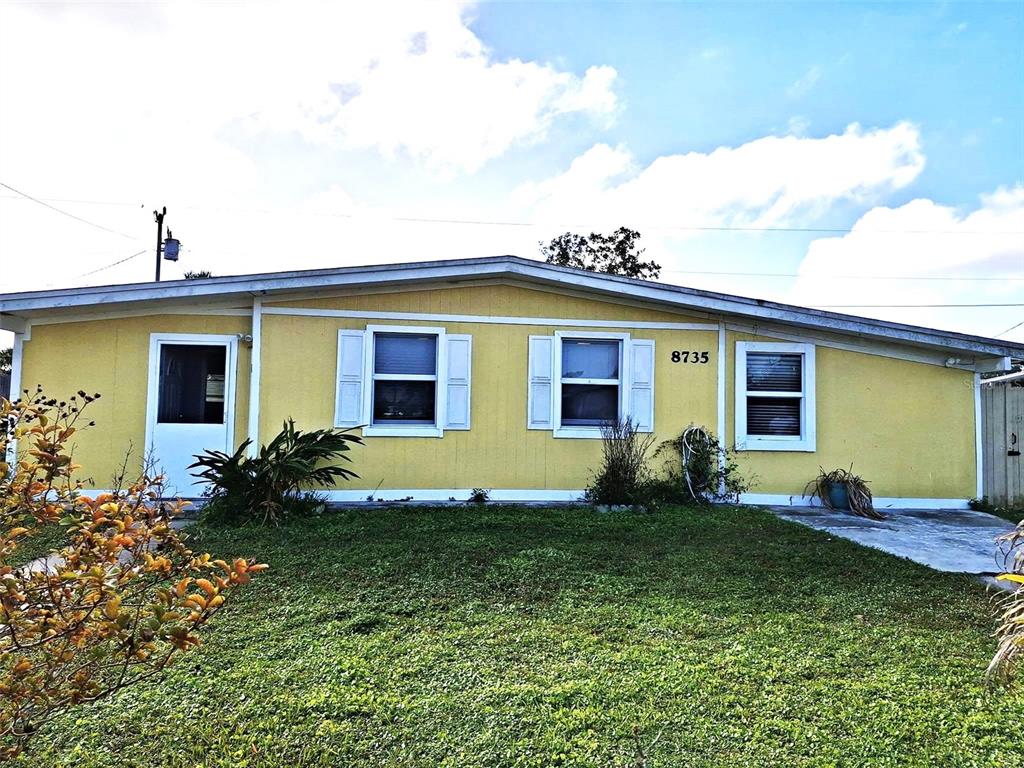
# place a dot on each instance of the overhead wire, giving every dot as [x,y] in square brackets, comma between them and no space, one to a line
[66,213]
[514,223]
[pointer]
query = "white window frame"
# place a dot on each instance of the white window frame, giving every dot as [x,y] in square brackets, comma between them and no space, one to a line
[593,432]
[440,378]
[807,439]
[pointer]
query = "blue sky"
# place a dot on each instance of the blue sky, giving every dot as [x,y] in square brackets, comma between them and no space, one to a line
[698,76]
[292,135]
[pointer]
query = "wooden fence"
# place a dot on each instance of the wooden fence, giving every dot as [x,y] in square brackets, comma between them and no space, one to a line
[1002,420]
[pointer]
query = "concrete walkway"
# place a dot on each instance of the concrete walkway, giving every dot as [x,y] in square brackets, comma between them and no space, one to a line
[960,541]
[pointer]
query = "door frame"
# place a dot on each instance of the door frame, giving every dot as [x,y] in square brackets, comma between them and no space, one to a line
[230,341]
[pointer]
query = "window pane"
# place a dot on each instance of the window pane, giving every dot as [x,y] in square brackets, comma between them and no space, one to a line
[774,373]
[405,353]
[191,384]
[403,402]
[773,416]
[590,359]
[589,405]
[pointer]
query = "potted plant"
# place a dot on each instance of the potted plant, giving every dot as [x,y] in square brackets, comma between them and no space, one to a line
[841,490]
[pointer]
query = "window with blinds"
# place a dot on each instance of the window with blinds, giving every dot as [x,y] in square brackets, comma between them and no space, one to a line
[404,378]
[774,396]
[590,382]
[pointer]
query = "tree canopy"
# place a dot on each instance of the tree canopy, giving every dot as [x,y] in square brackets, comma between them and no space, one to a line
[614,254]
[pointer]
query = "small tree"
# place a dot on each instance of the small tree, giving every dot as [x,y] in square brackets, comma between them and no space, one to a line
[614,254]
[121,601]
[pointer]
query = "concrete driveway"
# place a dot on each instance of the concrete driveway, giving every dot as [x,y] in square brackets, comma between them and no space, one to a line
[960,541]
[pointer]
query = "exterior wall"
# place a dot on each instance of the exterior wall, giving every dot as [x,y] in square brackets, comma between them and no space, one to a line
[907,427]
[495,301]
[112,357]
[499,451]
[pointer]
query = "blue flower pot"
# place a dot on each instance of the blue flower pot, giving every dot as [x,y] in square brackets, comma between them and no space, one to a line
[839,496]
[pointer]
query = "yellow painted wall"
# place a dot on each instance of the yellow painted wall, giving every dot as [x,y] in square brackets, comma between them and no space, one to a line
[498,452]
[112,357]
[907,427]
[495,300]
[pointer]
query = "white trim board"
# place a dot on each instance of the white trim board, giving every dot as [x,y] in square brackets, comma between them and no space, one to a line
[360,314]
[118,314]
[255,365]
[881,502]
[509,495]
[979,442]
[533,496]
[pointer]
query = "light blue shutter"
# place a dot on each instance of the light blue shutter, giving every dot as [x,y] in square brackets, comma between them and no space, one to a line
[458,379]
[349,406]
[540,382]
[641,385]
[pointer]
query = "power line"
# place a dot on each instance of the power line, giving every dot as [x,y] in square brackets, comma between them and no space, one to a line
[1001,279]
[77,201]
[65,213]
[1011,328]
[122,261]
[533,224]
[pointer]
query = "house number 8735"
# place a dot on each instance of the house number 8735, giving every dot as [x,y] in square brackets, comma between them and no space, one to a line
[689,357]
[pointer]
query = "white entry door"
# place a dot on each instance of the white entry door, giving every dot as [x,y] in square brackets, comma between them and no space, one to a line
[191,404]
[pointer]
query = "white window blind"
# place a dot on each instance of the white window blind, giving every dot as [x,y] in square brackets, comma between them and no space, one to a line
[775,407]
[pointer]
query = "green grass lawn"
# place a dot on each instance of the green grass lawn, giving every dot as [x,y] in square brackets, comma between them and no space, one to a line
[521,637]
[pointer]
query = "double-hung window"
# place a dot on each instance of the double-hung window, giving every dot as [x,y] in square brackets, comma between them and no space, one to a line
[775,396]
[404,380]
[578,381]
[591,379]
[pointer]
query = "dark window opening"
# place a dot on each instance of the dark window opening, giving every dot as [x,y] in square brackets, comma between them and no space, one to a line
[192,379]
[404,402]
[589,405]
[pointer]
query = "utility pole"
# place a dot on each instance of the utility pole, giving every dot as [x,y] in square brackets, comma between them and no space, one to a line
[159,216]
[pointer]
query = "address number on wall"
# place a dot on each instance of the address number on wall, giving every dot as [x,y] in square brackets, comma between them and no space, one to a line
[684,356]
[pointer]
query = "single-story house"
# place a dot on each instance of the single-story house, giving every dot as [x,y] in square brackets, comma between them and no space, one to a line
[497,373]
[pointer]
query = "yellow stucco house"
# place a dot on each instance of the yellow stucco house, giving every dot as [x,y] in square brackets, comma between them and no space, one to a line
[498,372]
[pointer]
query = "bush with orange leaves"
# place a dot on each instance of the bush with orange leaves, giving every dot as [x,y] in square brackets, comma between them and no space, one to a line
[122,600]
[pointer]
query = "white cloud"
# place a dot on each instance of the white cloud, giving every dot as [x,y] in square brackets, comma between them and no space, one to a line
[924,239]
[408,78]
[768,181]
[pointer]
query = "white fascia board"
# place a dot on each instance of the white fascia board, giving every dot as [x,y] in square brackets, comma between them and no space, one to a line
[527,269]
[12,323]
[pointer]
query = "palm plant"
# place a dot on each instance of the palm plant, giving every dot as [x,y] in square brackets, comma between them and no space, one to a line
[266,485]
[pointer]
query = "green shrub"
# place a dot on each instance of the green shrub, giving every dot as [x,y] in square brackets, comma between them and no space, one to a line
[268,487]
[624,477]
[697,470]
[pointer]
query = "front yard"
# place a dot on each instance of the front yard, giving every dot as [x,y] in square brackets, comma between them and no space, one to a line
[520,637]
